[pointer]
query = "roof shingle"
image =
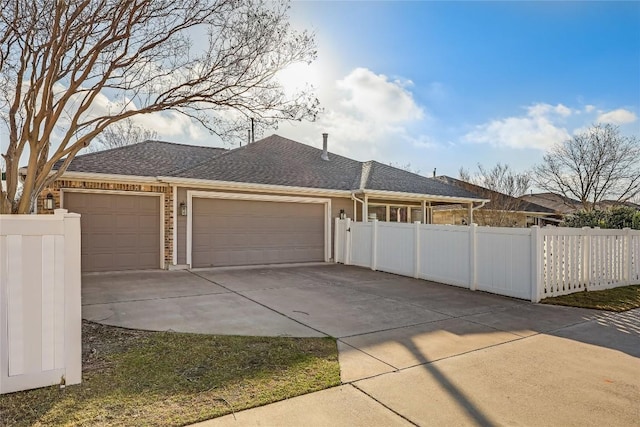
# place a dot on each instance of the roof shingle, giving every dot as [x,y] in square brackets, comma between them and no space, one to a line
[273,161]
[148,158]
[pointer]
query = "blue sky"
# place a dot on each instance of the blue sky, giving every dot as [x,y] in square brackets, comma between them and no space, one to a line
[450,84]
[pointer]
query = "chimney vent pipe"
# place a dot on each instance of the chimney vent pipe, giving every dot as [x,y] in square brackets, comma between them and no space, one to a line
[325,154]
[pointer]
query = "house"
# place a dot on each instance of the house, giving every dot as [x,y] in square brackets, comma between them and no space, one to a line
[165,205]
[559,204]
[501,211]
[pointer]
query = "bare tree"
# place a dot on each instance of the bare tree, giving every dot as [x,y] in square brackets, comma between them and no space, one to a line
[120,134]
[69,69]
[405,166]
[502,186]
[594,165]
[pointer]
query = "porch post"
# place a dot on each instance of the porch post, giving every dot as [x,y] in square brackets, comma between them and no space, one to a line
[365,209]
[424,212]
[470,213]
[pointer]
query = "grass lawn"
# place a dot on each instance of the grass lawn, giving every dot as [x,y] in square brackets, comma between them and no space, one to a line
[162,378]
[616,299]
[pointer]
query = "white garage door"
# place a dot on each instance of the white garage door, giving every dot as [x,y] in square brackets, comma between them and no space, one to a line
[241,232]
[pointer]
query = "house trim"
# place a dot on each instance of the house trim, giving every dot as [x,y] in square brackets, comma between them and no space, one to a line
[126,193]
[257,197]
[102,177]
[258,188]
[397,195]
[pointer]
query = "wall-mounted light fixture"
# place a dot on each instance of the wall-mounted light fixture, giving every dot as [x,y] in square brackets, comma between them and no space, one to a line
[49,203]
[343,215]
[183,209]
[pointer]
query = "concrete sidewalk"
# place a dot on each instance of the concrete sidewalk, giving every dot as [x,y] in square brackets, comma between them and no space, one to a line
[540,380]
[410,351]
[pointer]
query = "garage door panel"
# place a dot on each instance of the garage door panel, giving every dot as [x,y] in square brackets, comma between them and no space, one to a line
[119,232]
[240,232]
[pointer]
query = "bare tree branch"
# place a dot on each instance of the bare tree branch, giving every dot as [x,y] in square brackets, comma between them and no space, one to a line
[502,186]
[593,166]
[69,70]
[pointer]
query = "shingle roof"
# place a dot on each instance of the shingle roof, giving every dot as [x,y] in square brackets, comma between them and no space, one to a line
[279,161]
[389,178]
[556,202]
[273,160]
[148,158]
[516,204]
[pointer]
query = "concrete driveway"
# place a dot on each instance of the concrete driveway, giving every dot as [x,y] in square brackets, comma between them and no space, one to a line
[411,351]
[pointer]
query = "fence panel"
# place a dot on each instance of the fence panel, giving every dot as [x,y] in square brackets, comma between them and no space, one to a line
[565,261]
[396,248]
[40,319]
[607,259]
[530,264]
[634,262]
[444,254]
[361,235]
[504,261]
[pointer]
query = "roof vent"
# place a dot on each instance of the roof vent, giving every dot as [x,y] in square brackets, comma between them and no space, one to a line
[325,154]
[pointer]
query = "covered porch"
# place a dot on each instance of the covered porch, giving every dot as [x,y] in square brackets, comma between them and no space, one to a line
[391,206]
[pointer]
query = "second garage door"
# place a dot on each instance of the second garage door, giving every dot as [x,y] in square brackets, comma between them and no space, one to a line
[241,232]
[119,232]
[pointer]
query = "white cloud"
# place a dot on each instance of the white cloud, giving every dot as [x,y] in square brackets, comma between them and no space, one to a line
[618,117]
[374,96]
[589,108]
[540,128]
[368,116]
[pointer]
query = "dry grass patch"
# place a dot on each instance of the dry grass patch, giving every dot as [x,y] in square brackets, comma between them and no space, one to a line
[616,299]
[160,378]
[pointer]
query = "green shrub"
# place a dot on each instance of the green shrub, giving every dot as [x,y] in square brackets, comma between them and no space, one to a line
[618,217]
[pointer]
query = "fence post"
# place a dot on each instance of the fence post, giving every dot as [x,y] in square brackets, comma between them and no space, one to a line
[536,264]
[336,240]
[416,251]
[72,280]
[586,257]
[626,255]
[347,242]
[374,244]
[473,285]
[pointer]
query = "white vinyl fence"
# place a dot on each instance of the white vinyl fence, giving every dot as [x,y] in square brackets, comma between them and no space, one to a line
[531,264]
[40,317]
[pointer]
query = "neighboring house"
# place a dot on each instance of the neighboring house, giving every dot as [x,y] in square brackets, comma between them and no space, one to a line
[558,203]
[562,205]
[163,205]
[502,210]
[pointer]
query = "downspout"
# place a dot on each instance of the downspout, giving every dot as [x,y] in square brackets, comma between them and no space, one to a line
[484,202]
[355,199]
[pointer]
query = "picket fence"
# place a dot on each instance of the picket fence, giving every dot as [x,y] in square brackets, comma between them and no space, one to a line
[533,263]
[40,313]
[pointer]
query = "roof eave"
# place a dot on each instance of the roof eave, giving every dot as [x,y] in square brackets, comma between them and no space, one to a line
[416,196]
[93,176]
[248,186]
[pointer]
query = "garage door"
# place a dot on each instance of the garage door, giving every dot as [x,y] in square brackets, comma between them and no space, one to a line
[240,232]
[119,232]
